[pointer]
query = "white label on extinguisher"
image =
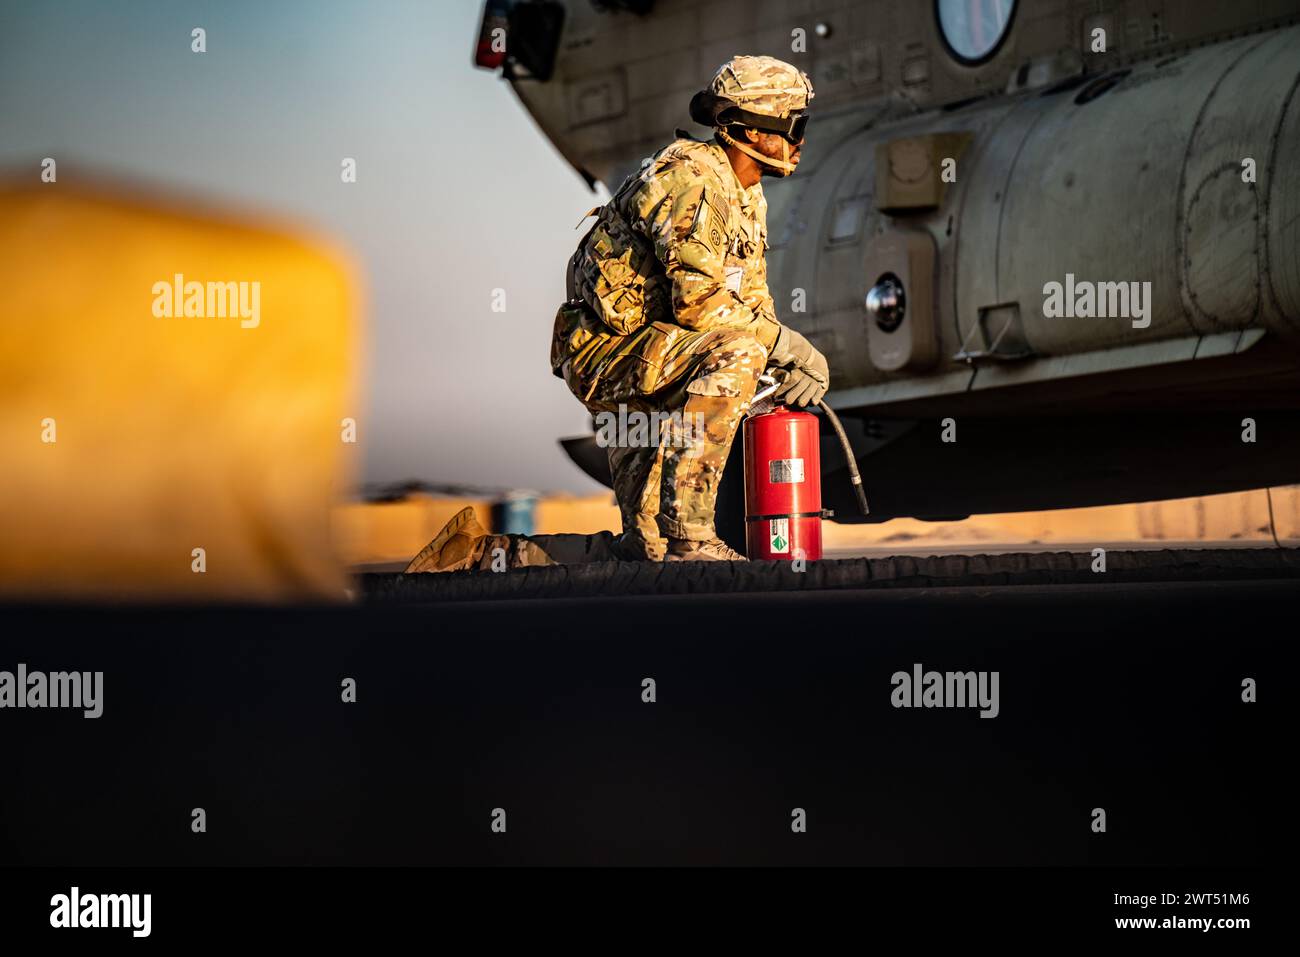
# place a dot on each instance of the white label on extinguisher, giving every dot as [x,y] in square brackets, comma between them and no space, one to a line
[779,535]
[785,470]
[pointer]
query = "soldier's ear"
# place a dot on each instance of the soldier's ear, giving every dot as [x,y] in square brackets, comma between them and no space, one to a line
[752,134]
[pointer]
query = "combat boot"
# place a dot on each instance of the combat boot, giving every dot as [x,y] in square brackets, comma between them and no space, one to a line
[633,546]
[712,550]
[457,547]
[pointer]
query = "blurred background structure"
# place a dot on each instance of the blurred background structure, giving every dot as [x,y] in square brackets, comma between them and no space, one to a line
[382,535]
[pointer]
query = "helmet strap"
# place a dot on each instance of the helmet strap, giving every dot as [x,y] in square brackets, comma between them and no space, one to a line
[782,165]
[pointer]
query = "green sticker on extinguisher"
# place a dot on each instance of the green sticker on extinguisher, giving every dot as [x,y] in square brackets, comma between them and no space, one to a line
[779,535]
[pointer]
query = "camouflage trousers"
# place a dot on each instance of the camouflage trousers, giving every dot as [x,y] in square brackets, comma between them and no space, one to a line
[692,389]
[667,402]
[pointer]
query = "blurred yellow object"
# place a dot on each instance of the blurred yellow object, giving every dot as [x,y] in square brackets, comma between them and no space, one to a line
[129,441]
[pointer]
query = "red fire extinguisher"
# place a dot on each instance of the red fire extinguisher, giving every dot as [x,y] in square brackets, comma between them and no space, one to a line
[783,482]
[783,486]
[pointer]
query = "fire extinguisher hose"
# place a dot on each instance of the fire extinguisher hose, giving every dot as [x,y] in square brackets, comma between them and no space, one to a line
[854,476]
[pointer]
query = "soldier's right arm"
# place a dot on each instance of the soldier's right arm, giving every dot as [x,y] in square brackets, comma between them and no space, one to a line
[688,226]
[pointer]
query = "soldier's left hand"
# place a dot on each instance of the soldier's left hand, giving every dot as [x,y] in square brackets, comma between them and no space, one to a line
[803,386]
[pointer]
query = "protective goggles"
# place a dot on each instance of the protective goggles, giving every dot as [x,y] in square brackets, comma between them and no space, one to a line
[791,127]
[708,109]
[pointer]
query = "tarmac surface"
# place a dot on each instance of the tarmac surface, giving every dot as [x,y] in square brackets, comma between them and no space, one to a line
[895,571]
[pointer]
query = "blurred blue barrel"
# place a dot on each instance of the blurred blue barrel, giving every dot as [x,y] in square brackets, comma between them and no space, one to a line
[515,513]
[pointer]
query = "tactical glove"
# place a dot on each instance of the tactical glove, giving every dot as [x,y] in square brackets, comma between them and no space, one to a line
[807,377]
[802,387]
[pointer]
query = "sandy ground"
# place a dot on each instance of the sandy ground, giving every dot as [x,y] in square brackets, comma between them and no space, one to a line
[379,536]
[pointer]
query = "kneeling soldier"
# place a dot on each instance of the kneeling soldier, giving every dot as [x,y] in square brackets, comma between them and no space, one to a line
[669,312]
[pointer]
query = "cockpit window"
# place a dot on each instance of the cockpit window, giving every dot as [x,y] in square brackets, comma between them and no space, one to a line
[974,29]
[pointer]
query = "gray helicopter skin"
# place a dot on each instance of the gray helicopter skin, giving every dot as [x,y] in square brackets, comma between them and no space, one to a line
[1072,233]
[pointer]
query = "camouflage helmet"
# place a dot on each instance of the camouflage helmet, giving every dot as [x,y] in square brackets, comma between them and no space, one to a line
[762,84]
[760,93]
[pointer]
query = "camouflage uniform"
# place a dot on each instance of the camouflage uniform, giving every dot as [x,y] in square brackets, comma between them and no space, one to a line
[668,311]
[682,321]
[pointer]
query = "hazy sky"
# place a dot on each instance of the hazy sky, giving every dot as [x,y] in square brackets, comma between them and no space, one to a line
[457,193]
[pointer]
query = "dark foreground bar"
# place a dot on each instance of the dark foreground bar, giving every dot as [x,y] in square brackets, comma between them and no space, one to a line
[726,729]
[1127,698]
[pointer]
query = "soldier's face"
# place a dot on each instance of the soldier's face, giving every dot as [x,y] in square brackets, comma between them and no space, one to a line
[775,146]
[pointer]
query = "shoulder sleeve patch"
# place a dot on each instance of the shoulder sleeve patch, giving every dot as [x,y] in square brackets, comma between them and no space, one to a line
[716,221]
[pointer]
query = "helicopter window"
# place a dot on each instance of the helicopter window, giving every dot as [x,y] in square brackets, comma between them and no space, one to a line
[847,219]
[974,29]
